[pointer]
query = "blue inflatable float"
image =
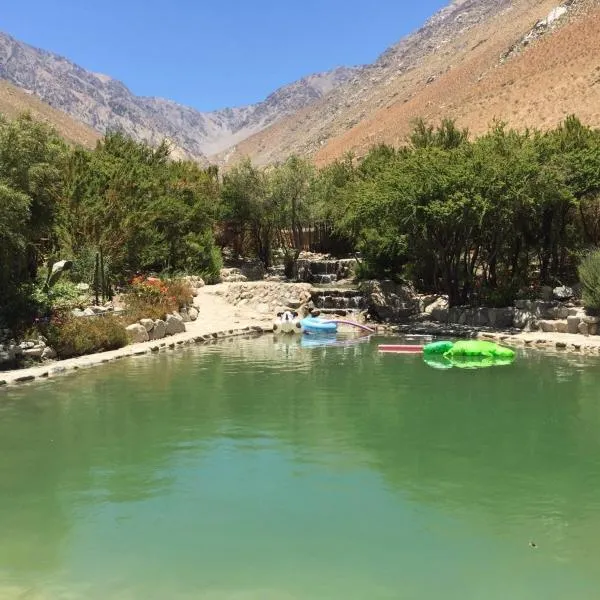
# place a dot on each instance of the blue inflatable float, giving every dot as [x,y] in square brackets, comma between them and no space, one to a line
[314,325]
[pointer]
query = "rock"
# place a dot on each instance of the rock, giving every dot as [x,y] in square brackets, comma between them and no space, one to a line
[573,324]
[501,318]
[436,303]
[583,328]
[88,312]
[148,324]
[591,320]
[159,330]
[99,310]
[7,354]
[26,345]
[389,301]
[33,352]
[562,326]
[547,326]
[48,353]
[83,287]
[77,312]
[593,328]
[193,313]
[185,315]
[232,275]
[563,293]
[137,333]
[174,324]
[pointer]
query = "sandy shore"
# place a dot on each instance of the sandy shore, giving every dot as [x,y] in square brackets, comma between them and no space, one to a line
[217,319]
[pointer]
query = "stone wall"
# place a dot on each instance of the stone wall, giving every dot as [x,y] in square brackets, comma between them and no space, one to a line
[527,315]
[389,301]
[267,297]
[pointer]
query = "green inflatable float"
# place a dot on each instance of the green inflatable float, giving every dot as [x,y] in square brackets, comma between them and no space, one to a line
[467,354]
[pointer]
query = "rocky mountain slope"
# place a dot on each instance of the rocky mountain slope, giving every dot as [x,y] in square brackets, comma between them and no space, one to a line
[14,101]
[475,60]
[104,103]
[526,62]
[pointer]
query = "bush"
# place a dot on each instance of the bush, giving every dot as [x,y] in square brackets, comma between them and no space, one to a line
[589,276]
[76,336]
[203,256]
[152,298]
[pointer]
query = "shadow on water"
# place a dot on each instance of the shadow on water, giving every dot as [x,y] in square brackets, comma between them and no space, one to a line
[512,449]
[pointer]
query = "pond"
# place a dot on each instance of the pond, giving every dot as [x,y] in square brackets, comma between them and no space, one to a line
[261,469]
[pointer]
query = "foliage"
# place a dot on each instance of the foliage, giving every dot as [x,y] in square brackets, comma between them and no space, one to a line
[589,276]
[153,298]
[64,295]
[76,336]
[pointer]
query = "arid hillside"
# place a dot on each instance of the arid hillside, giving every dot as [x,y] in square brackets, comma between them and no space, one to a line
[557,75]
[458,65]
[14,101]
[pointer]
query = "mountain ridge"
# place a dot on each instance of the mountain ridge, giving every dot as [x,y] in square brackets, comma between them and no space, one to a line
[103,102]
[458,64]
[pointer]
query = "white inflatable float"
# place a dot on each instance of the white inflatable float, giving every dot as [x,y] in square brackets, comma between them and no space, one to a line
[287,322]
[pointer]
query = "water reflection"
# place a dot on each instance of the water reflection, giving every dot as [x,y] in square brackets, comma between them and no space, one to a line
[264,425]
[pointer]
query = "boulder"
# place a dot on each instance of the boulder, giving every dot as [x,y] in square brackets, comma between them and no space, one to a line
[591,320]
[35,352]
[436,303]
[137,333]
[389,301]
[593,329]
[562,326]
[148,324]
[547,326]
[174,324]
[583,328]
[7,353]
[185,315]
[159,330]
[573,324]
[193,313]
[88,312]
[48,353]
[563,293]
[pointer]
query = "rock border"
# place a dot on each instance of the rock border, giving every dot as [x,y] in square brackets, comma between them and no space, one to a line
[50,370]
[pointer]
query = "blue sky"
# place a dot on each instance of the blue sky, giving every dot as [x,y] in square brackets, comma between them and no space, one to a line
[213,54]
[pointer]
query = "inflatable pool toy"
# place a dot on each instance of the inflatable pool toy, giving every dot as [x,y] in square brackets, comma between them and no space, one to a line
[437,347]
[479,348]
[400,349]
[467,354]
[468,348]
[287,322]
[314,325]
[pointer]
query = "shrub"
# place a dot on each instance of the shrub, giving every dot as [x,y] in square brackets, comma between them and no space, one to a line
[180,290]
[203,256]
[589,276]
[152,298]
[76,336]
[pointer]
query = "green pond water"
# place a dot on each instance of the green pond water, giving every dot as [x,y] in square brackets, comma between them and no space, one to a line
[263,470]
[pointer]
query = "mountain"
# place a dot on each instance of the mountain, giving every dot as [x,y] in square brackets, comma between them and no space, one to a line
[14,101]
[526,62]
[104,103]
